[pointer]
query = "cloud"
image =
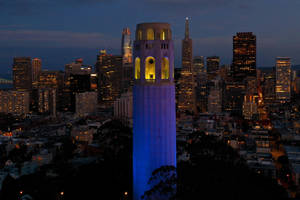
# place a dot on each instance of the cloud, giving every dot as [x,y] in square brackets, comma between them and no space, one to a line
[57,39]
[30,7]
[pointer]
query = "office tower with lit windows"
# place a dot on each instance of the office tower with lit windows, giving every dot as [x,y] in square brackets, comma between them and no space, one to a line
[127,65]
[269,86]
[154,116]
[212,66]
[234,97]
[49,86]
[244,55]
[186,93]
[36,68]
[283,79]
[202,91]
[22,73]
[214,99]
[108,68]
[126,46]
[198,64]
[47,101]
[200,78]
[14,102]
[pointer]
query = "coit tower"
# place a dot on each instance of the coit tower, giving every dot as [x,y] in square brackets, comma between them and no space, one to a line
[154,117]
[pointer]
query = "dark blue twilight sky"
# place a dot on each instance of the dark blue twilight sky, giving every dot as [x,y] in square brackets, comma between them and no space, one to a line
[58,31]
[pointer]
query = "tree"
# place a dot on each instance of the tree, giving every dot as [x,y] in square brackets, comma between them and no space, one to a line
[163,184]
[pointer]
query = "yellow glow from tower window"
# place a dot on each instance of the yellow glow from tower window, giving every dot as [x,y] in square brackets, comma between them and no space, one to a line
[165,66]
[140,35]
[137,73]
[163,35]
[150,68]
[150,34]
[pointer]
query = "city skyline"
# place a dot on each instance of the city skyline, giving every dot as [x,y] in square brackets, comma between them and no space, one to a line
[213,23]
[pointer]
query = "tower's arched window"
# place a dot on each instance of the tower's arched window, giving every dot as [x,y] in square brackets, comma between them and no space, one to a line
[137,71]
[150,34]
[140,35]
[150,68]
[165,68]
[163,35]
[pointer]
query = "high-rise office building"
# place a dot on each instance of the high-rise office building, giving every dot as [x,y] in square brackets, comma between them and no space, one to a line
[269,86]
[187,49]
[86,103]
[186,93]
[212,66]
[214,102]
[108,68]
[22,73]
[14,102]
[47,83]
[36,68]
[126,46]
[47,101]
[202,92]
[234,97]
[77,67]
[250,106]
[154,116]
[244,55]
[283,79]
[198,64]
[127,65]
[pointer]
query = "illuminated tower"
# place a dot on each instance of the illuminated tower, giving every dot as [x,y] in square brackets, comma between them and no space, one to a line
[283,79]
[36,69]
[126,46]
[244,55]
[127,65]
[154,119]
[186,93]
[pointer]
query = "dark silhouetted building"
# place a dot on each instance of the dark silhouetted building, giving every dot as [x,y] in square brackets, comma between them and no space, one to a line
[234,97]
[212,66]
[22,73]
[269,85]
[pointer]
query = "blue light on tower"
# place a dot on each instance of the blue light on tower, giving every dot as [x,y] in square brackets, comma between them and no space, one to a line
[154,117]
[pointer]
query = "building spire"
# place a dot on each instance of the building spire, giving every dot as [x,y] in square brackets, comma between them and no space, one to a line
[187,31]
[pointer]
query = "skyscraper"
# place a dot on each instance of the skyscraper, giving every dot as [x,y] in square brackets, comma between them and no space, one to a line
[283,79]
[269,86]
[244,55]
[126,46]
[198,64]
[200,78]
[186,93]
[22,73]
[187,49]
[154,117]
[127,66]
[36,68]
[212,64]
[108,68]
